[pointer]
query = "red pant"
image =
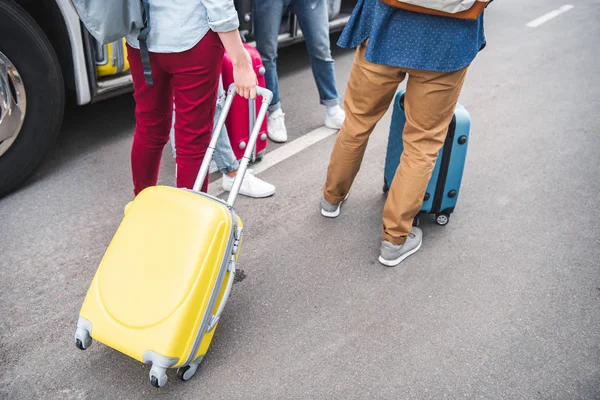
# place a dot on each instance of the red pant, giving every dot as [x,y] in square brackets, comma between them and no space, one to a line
[191,78]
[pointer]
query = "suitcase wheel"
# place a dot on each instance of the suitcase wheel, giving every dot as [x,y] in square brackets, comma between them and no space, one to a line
[158,376]
[442,219]
[83,340]
[186,372]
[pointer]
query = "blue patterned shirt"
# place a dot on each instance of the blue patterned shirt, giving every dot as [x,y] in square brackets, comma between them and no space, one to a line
[412,40]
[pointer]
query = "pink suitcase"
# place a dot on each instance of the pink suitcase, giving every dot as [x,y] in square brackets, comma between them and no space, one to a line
[243,114]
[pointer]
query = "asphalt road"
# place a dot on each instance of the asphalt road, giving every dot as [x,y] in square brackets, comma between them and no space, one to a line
[502,303]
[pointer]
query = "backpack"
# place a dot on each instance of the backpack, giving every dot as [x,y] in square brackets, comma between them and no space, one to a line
[109,21]
[461,9]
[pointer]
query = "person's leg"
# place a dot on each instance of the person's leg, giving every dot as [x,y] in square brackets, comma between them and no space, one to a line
[314,22]
[370,91]
[429,105]
[223,155]
[195,79]
[268,15]
[153,112]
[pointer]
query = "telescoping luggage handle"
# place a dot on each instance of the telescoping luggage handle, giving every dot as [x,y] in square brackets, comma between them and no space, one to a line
[266,95]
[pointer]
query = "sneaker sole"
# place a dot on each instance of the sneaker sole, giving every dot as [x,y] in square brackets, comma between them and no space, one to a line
[395,262]
[333,214]
[258,196]
[331,126]
[278,141]
[255,196]
[336,213]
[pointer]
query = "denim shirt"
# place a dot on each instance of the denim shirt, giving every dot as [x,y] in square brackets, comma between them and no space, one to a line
[412,40]
[178,25]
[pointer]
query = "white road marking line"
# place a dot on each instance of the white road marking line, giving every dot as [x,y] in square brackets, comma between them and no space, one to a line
[547,17]
[279,155]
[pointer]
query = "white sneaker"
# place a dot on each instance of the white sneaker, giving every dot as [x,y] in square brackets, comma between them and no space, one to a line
[336,120]
[276,126]
[251,186]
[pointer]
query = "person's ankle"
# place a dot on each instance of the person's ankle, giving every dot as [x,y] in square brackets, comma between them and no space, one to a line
[231,174]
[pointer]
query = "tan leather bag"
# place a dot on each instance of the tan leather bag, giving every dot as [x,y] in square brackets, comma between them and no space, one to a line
[473,12]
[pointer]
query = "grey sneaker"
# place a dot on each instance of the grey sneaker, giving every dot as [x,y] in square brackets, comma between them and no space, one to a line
[392,255]
[331,210]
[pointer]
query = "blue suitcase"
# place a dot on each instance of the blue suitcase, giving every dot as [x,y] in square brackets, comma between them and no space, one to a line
[443,189]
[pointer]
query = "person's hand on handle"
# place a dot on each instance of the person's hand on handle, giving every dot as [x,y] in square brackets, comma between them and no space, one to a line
[244,76]
[245,80]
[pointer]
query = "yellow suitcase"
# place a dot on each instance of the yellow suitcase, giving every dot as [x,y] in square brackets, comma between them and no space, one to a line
[111,58]
[165,278]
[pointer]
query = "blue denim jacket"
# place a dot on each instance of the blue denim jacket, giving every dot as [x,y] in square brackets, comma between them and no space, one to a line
[178,25]
[412,40]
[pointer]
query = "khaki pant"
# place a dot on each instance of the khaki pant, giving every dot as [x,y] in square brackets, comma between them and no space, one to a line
[429,105]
